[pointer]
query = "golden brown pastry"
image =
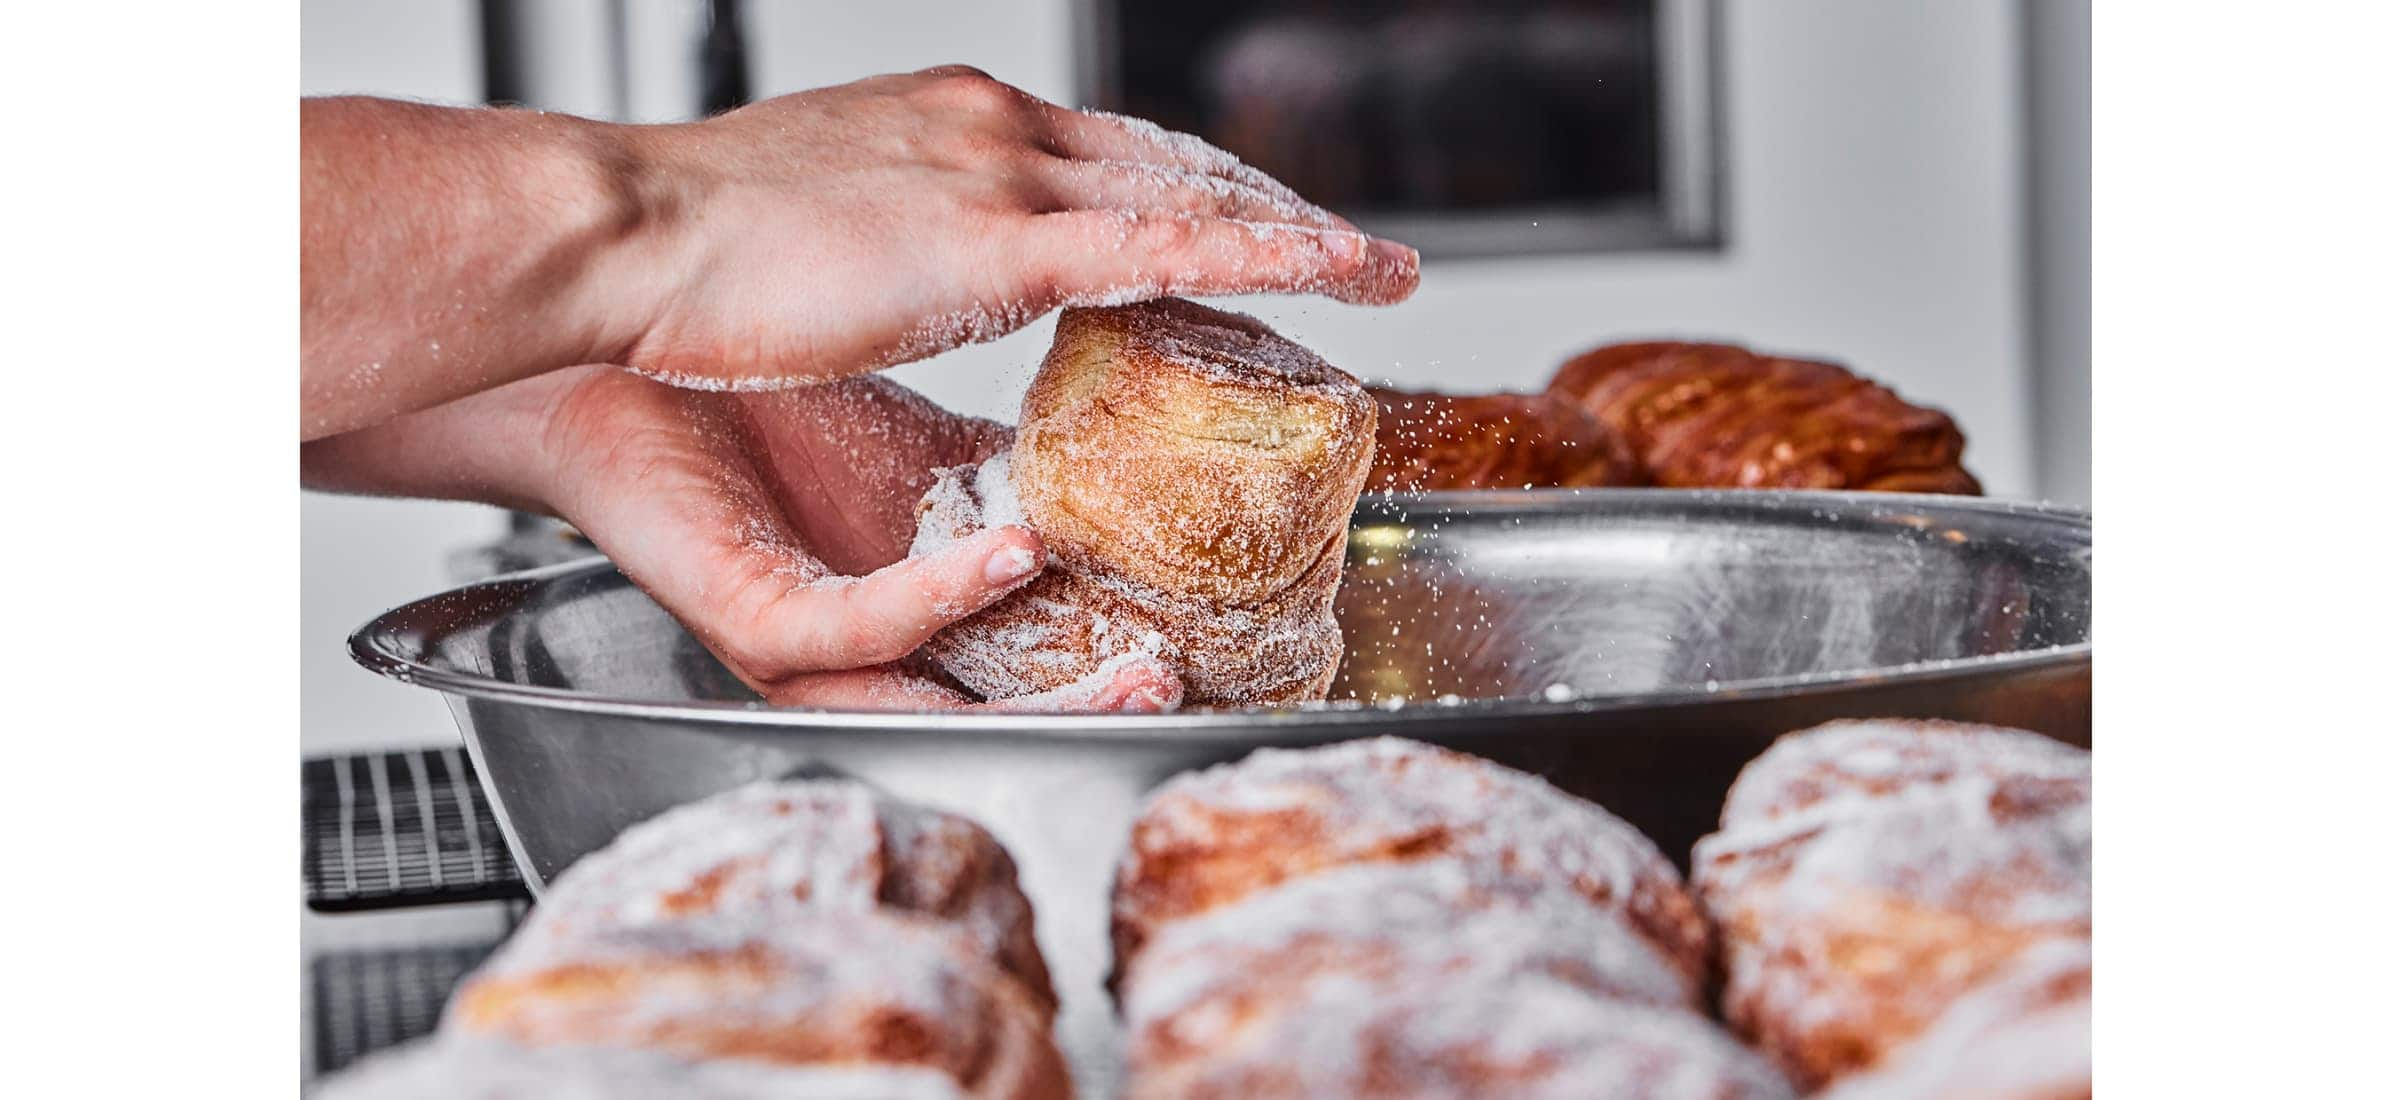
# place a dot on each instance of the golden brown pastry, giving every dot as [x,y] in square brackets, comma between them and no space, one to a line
[1523,1037]
[463,1068]
[1211,838]
[1867,876]
[1430,441]
[1387,919]
[768,851]
[2022,1035]
[813,989]
[1719,416]
[1212,981]
[1193,474]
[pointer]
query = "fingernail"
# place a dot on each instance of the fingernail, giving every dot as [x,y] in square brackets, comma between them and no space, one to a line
[1009,565]
[1346,246]
[1149,701]
[1392,253]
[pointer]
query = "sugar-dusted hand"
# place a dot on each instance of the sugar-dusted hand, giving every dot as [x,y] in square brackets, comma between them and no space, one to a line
[811,236]
[774,526]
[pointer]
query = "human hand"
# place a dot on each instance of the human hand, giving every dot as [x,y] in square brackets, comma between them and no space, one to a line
[774,526]
[849,228]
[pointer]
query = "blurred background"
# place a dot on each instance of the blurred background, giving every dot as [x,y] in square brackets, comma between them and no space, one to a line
[1895,185]
[1898,186]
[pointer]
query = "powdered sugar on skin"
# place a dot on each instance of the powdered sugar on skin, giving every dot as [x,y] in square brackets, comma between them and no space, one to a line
[1280,203]
[1203,156]
[687,380]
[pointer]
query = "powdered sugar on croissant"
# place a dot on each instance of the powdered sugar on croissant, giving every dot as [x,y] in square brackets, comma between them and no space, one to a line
[1193,474]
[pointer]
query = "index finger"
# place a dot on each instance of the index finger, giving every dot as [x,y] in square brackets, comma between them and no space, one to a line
[1110,257]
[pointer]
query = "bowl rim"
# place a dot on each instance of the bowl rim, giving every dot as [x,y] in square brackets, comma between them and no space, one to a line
[387,644]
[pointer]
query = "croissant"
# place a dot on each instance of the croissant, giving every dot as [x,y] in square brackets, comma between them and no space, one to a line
[1868,876]
[1208,981]
[1719,416]
[1386,919]
[455,1068]
[1210,838]
[2020,1036]
[1527,1037]
[1430,441]
[1193,475]
[767,851]
[805,989]
[817,936]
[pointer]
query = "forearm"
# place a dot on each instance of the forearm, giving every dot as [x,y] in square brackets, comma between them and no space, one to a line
[446,251]
[496,448]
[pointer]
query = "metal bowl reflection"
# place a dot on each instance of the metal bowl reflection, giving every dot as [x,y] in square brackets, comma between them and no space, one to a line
[1634,646]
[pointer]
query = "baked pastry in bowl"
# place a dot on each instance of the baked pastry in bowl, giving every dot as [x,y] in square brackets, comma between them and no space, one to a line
[1434,441]
[1193,474]
[1719,416]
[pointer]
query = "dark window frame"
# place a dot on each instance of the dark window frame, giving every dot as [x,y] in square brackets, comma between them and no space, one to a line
[1686,213]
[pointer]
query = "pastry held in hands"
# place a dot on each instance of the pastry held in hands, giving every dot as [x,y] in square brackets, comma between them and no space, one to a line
[1719,416]
[1431,441]
[1193,474]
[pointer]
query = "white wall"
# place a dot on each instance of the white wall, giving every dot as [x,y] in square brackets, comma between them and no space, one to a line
[360,557]
[1874,212]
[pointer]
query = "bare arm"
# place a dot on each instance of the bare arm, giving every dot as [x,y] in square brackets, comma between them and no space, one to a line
[821,234]
[446,251]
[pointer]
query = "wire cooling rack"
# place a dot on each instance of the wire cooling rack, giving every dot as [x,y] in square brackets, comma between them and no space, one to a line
[393,829]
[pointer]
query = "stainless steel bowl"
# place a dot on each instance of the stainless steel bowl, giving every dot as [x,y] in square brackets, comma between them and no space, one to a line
[1635,646]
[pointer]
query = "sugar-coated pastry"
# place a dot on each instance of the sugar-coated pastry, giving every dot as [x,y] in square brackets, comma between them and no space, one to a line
[1868,875]
[1193,474]
[770,850]
[1206,982]
[819,988]
[1211,838]
[1720,416]
[461,1068]
[2024,1034]
[1519,1037]
[1430,441]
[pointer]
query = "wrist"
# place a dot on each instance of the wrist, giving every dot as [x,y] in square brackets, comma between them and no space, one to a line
[628,216]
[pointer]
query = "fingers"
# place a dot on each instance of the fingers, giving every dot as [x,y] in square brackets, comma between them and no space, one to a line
[1138,687]
[1100,136]
[1141,685]
[1105,257]
[845,623]
[864,689]
[1137,185]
